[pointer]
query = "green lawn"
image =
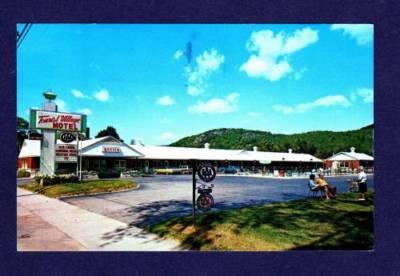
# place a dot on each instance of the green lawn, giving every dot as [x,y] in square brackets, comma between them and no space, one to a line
[344,223]
[86,187]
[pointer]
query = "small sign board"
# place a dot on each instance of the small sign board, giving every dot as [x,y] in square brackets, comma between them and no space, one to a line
[66,153]
[206,172]
[111,149]
[67,137]
[265,162]
[40,119]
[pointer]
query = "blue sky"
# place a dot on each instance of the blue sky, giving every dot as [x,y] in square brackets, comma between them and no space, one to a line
[140,79]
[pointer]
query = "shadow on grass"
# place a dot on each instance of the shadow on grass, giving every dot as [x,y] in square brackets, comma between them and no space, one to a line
[146,214]
[344,223]
[348,223]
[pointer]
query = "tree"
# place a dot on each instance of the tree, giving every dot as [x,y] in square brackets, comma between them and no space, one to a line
[22,129]
[109,131]
[22,123]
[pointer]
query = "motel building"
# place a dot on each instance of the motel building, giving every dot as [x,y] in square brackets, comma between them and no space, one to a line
[350,161]
[109,153]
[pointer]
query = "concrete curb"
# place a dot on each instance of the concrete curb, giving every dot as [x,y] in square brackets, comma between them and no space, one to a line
[100,193]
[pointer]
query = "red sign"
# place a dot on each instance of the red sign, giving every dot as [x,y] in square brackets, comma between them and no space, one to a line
[60,121]
[111,149]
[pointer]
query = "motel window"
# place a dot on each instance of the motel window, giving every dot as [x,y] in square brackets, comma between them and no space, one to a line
[344,164]
[120,164]
[99,163]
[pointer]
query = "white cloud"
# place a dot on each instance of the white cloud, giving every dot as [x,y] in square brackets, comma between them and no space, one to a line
[167,136]
[86,111]
[331,100]
[102,95]
[362,33]
[165,100]
[178,54]
[216,105]
[78,94]
[253,114]
[272,51]
[193,90]
[366,94]
[61,105]
[206,64]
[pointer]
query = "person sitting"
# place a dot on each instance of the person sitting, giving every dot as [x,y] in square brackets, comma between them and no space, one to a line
[330,191]
[311,182]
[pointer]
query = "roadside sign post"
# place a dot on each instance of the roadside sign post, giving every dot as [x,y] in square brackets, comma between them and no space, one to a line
[206,173]
[194,168]
[77,154]
[49,121]
[80,162]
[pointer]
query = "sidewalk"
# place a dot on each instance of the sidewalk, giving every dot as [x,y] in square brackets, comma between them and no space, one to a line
[46,224]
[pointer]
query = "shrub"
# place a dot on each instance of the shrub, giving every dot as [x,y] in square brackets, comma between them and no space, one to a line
[109,174]
[37,179]
[47,180]
[23,173]
[57,179]
[73,179]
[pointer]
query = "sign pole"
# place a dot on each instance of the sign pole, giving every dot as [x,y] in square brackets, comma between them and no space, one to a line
[80,164]
[77,154]
[194,165]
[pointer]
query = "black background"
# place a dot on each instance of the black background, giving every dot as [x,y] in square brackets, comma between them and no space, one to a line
[383,260]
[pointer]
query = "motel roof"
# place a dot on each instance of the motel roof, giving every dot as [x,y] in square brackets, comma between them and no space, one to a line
[92,147]
[348,156]
[30,148]
[183,153]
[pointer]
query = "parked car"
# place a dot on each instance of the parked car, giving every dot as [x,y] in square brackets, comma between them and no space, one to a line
[231,169]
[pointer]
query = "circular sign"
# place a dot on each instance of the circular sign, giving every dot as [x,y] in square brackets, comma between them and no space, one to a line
[206,172]
[67,137]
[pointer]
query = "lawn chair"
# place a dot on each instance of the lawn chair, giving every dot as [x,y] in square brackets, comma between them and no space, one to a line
[315,191]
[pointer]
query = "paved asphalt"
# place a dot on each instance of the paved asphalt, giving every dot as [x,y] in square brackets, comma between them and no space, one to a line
[161,197]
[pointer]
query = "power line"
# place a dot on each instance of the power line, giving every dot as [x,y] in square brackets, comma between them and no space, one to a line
[23,34]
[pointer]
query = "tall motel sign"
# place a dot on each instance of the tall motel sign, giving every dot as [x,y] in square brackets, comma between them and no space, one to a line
[50,121]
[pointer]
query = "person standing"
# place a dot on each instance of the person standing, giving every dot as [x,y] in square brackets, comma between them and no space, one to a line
[362,183]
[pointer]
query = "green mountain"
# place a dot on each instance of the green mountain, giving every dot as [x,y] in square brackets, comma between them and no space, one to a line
[319,143]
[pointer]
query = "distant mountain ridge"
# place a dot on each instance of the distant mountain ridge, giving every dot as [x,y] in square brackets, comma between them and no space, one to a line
[319,143]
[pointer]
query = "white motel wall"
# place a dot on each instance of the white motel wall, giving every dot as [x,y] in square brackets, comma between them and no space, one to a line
[110,153]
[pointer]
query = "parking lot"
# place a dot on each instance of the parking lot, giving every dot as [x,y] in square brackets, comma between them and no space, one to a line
[161,197]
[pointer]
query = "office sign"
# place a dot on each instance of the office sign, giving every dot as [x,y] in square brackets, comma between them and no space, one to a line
[41,119]
[66,153]
[111,149]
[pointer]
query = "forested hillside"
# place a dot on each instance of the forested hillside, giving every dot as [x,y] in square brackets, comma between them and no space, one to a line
[319,143]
